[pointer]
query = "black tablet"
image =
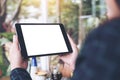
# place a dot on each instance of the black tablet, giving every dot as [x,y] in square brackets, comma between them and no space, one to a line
[42,39]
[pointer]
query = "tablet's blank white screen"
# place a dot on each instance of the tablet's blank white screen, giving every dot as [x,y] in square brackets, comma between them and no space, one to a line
[43,39]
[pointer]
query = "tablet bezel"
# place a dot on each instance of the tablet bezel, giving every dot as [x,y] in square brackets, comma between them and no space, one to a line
[22,42]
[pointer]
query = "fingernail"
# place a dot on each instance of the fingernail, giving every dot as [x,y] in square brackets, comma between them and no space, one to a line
[14,37]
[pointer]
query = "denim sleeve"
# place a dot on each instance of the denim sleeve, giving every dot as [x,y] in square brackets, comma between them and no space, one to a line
[19,74]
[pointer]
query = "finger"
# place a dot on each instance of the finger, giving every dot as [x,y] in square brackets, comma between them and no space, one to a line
[65,58]
[15,42]
[74,46]
[71,41]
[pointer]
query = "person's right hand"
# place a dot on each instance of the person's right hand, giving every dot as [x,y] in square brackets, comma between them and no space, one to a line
[69,60]
[16,60]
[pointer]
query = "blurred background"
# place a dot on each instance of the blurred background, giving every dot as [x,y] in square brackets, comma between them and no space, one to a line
[78,16]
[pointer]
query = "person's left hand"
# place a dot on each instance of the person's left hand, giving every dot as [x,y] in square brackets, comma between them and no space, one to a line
[16,60]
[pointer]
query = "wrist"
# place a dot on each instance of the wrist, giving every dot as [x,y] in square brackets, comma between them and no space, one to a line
[14,66]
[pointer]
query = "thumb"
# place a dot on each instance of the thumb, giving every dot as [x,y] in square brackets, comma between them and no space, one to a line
[15,42]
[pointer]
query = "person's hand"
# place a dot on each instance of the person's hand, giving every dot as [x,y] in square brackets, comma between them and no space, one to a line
[16,60]
[69,60]
[113,9]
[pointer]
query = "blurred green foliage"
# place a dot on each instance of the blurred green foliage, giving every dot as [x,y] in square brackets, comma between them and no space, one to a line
[1,58]
[70,14]
[7,35]
[70,18]
[4,69]
[4,38]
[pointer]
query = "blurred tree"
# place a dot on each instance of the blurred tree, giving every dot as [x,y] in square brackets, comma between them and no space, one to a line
[35,3]
[5,22]
[3,14]
[25,8]
[51,8]
[12,10]
[66,12]
[70,18]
